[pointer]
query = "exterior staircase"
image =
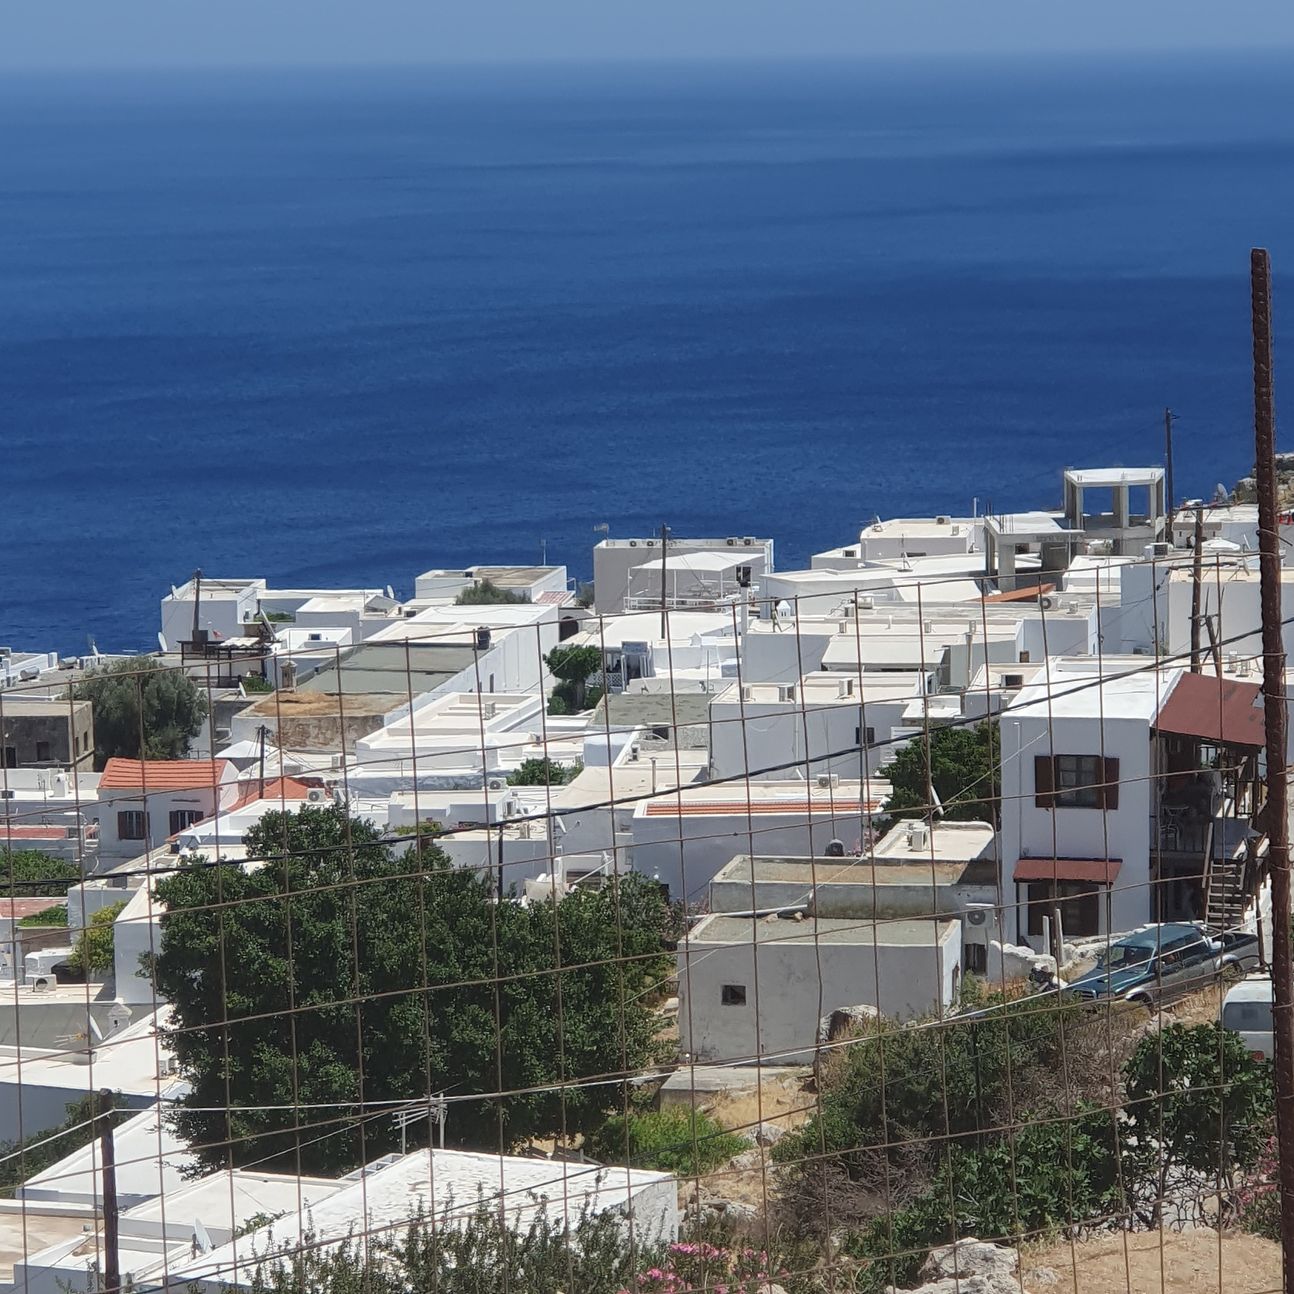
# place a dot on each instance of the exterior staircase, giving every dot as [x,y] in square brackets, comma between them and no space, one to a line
[1226,894]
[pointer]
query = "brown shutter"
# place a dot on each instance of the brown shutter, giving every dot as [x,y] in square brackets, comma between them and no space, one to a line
[1044,782]
[1111,789]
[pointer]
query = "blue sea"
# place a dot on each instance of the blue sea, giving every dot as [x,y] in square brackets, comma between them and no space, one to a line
[336,327]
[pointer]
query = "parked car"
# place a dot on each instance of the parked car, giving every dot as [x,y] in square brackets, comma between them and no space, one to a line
[1247,1010]
[1151,966]
[1239,951]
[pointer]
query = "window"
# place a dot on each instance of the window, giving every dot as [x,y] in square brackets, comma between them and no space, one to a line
[661,732]
[1076,782]
[181,818]
[11,757]
[1079,904]
[42,752]
[132,824]
[733,995]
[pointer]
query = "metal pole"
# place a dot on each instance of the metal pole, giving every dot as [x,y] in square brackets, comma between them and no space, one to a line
[111,1261]
[1275,815]
[664,570]
[1168,470]
[1197,576]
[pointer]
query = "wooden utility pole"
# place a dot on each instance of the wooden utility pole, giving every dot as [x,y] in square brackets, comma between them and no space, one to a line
[1171,498]
[108,1159]
[1275,815]
[1197,578]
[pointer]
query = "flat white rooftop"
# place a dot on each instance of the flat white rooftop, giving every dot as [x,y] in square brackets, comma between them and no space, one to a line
[150,1159]
[1101,478]
[1085,687]
[644,626]
[722,929]
[450,1185]
[796,797]
[948,842]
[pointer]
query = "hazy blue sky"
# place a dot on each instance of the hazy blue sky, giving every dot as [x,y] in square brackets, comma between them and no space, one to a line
[132,33]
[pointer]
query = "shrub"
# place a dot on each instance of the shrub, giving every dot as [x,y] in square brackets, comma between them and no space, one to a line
[254,684]
[55,916]
[485,593]
[687,1142]
[94,949]
[544,772]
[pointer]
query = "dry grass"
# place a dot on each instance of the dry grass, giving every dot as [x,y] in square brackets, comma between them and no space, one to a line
[1187,1263]
[783,1102]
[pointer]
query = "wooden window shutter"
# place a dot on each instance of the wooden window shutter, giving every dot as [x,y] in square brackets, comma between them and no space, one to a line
[1110,797]
[1044,782]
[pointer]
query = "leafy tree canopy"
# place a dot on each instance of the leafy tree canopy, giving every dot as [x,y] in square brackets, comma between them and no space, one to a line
[27,873]
[142,710]
[964,767]
[320,956]
[94,948]
[486,593]
[544,772]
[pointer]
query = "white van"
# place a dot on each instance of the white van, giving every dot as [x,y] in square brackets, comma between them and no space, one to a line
[1247,1010]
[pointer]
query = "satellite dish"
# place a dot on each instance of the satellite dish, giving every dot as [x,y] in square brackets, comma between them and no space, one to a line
[390,592]
[161,641]
[94,1028]
[200,1235]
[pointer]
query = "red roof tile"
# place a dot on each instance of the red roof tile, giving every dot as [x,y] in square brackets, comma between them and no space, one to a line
[1201,705]
[281,788]
[162,774]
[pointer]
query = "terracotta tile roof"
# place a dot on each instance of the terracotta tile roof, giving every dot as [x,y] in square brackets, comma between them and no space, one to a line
[281,788]
[162,774]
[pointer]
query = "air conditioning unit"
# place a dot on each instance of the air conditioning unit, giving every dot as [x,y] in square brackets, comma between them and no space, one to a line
[866,604]
[918,835]
[749,541]
[786,692]
[496,784]
[979,927]
[828,780]
[745,696]
[1047,604]
[943,521]
[731,541]
[651,543]
[633,543]
[1158,549]
[316,795]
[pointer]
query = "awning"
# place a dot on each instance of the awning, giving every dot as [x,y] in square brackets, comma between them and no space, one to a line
[1101,871]
[1224,711]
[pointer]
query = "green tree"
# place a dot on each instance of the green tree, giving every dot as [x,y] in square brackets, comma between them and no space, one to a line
[27,873]
[965,770]
[94,948]
[319,960]
[487,593]
[1198,1106]
[1050,1175]
[572,666]
[544,772]
[142,710]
